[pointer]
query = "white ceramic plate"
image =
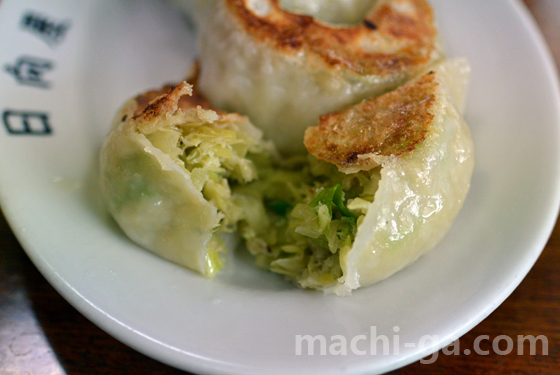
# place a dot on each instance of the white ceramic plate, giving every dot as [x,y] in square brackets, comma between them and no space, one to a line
[69,65]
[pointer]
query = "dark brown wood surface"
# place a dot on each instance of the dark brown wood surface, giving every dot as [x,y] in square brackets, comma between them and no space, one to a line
[40,333]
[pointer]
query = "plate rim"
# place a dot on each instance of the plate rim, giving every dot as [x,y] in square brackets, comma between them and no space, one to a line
[118,329]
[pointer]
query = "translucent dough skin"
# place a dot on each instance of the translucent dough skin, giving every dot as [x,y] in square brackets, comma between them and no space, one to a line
[420,192]
[284,81]
[152,199]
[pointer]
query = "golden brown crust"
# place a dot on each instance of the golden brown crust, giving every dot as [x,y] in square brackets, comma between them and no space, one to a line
[411,35]
[391,124]
[153,103]
[170,106]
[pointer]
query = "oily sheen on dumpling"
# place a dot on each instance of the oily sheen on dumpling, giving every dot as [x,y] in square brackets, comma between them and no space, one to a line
[419,138]
[280,64]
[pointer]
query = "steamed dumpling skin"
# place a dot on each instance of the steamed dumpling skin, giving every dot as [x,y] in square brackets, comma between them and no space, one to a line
[425,174]
[284,69]
[152,198]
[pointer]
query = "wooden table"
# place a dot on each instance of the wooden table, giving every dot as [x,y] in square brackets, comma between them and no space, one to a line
[40,333]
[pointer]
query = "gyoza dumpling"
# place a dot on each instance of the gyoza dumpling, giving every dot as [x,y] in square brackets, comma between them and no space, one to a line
[394,173]
[417,136]
[283,69]
[165,172]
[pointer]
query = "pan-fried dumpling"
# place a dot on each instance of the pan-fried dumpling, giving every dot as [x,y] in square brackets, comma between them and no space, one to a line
[417,136]
[385,181]
[272,61]
[166,167]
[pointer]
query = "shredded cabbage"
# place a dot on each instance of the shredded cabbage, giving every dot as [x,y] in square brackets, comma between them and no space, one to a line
[297,216]
[214,156]
[303,222]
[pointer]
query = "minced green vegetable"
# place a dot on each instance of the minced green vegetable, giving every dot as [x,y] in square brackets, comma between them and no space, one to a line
[302,223]
[298,217]
[328,197]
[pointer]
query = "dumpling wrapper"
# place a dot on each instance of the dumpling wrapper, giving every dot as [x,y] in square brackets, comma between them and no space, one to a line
[425,175]
[150,196]
[284,69]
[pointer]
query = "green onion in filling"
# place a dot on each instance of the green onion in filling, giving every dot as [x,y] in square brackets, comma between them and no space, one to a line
[297,216]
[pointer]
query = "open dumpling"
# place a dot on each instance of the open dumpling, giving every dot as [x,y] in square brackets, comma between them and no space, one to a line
[382,186]
[417,136]
[165,168]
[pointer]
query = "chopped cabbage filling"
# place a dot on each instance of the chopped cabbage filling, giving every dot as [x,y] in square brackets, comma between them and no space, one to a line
[214,156]
[298,216]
